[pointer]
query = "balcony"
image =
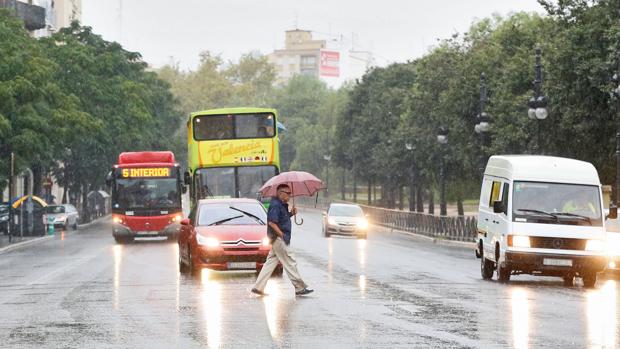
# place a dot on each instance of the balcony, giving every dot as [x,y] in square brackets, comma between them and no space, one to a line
[32,15]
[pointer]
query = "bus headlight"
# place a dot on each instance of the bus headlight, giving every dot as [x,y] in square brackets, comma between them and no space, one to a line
[362,223]
[518,241]
[595,245]
[613,244]
[266,241]
[177,218]
[209,242]
[117,220]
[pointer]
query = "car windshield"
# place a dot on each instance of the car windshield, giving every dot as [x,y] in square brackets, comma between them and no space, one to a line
[570,204]
[211,213]
[55,209]
[346,211]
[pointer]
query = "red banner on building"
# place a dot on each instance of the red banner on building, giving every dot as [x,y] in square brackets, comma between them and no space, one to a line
[330,63]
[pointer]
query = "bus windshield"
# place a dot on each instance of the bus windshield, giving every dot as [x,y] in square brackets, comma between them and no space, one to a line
[233,126]
[147,193]
[242,181]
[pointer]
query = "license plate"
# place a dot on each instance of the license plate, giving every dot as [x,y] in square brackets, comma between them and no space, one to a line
[148,232]
[241,265]
[558,262]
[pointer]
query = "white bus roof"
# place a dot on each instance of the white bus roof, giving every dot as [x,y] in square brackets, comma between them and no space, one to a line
[542,169]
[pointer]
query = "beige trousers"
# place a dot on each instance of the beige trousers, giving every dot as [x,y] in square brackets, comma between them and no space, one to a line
[279,252]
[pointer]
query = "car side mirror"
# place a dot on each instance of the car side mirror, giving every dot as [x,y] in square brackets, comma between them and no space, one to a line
[185,221]
[498,207]
[186,178]
[613,212]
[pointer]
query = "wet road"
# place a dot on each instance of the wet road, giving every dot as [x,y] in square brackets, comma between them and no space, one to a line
[82,290]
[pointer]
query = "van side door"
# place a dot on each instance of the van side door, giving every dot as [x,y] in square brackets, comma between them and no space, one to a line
[485,213]
[492,219]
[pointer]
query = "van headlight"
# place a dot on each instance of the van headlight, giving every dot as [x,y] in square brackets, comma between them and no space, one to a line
[362,223]
[595,245]
[518,241]
[205,241]
[613,244]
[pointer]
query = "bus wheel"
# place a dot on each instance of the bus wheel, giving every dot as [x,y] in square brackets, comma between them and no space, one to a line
[486,268]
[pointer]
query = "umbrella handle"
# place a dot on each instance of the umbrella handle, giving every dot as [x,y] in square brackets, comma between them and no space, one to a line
[298,223]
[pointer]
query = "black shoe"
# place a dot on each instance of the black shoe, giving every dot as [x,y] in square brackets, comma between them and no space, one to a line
[260,293]
[304,291]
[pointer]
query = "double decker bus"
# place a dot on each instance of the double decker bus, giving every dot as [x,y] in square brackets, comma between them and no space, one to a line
[232,152]
[146,195]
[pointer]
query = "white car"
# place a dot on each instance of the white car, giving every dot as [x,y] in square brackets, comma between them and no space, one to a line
[64,216]
[345,219]
[541,215]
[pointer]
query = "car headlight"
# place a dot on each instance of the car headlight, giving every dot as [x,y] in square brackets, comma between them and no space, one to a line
[362,223]
[613,244]
[209,242]
[331,220]
[595,245]
[266,241]
[518,241]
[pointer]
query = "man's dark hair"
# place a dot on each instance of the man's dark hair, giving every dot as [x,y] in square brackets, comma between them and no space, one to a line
[282,186]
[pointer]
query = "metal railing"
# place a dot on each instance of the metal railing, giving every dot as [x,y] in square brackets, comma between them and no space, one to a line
[457,228]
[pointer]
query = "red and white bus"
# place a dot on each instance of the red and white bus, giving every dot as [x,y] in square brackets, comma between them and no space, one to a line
[146,195]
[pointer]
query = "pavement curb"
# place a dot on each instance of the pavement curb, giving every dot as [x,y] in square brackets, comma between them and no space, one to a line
[100,219]
[25,243]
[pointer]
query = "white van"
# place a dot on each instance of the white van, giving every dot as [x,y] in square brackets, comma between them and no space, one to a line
[541,215]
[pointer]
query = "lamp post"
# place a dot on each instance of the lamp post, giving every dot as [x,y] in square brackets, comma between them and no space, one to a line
[538,103]
[484,121]
[327,158]
[411,148]
[442,139]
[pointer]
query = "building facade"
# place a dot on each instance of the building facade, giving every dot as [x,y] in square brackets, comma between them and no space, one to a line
[301,55]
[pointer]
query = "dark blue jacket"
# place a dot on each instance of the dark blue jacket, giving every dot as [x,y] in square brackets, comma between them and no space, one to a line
[278,214]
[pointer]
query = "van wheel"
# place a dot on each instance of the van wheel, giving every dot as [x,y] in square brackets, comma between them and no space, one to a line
[589,279]
[503,274]
[486,268]
[569,280]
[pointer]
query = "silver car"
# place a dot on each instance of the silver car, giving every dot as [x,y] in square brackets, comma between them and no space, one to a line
[63,216]
[345,219]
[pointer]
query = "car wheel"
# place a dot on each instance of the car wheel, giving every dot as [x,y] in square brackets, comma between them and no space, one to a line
[486,268]
[569,280]
[589,279]
[503,274]
[75,225]
[66,226]
[190,260]
[119,240]
[325,232]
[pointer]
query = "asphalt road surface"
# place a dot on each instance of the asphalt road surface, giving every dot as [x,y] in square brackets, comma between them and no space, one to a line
[81,290]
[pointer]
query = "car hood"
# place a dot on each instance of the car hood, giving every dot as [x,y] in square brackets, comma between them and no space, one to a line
[56,215]
[234,232]
[345,219]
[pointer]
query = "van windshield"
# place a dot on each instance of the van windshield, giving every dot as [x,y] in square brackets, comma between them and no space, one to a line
[556,203]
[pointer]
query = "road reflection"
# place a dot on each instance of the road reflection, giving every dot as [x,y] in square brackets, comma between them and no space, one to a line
[520,318]
[278,306]
[361,252]
[118,258]
[602,314]
[330,259]
[211,299]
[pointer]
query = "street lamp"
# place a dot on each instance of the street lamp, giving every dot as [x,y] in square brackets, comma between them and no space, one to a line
[442,139]
[484,120]
[327,158]
[411,148]
[538,103]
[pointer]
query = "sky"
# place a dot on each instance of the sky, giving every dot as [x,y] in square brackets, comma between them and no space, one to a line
[177,31]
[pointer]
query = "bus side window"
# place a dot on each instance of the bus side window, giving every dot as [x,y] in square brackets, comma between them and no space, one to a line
[495,192]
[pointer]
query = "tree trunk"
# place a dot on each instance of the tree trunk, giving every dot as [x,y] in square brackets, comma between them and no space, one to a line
[369,192]
[343,182]
[374,192]
[85,213]
[459,205]
[401,197]
[419,199]
[354,186]
[37,176]
[431,201]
